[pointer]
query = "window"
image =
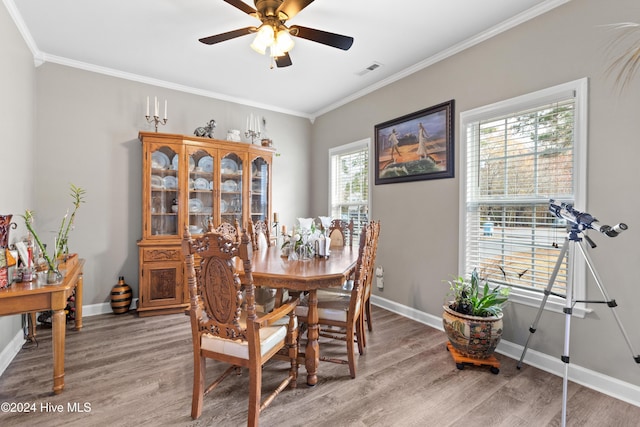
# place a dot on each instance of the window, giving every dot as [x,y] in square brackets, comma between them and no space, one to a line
[519,154]
[349,183]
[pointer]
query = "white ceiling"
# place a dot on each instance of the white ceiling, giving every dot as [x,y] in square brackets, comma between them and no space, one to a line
[156,41]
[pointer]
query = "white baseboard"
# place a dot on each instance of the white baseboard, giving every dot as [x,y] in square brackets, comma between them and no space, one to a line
[13,348]
[613,387]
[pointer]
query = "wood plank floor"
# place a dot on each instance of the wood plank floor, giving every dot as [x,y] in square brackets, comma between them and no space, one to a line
[134,371]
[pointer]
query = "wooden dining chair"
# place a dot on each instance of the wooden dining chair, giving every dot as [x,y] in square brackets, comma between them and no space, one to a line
[266,298]
[223,330]
[341,233]
[260,234]
[374,227]
[344,312]
[329,294]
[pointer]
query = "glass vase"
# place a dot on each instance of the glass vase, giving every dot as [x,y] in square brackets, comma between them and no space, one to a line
[54,276]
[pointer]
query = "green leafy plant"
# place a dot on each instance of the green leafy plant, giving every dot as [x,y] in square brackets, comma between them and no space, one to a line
[475,298]
[77,194]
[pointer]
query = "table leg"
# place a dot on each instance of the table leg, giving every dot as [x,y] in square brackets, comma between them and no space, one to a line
[32,326]
[312,352]
[79,286]
[59,322]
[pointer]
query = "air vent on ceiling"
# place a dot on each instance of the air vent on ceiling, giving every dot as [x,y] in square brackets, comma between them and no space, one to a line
[373,66]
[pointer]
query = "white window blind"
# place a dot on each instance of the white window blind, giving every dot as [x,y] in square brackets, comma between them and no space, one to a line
[350,183]
[518,156]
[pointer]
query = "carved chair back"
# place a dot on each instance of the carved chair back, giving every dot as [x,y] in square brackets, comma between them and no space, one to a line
[341,233]
[374,227]
[215,288]
[232,231]
[260,234]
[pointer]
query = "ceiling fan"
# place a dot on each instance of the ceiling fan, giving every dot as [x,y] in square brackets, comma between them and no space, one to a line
[273,34]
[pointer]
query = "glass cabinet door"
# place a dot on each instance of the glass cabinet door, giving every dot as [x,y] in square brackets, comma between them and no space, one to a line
[164,191]
[200,203]
[259,189]
[231,166]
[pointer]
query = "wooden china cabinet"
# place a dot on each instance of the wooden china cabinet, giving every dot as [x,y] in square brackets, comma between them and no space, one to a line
[186,181]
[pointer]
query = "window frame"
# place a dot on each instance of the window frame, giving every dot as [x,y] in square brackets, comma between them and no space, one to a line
[360,145]
[577,266]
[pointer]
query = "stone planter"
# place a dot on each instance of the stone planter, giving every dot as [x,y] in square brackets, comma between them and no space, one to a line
[472,336]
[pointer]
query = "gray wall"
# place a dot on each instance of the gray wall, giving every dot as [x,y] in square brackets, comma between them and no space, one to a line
[87,135]
[17,122]
[420,227]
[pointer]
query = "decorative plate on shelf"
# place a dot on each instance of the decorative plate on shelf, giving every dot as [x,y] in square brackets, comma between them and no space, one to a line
[206,163]
[176,159]
[170,182]
[223,206]
[159,160]
[228,166]
[156,181]
[229,186]
[201,184]
[195,205]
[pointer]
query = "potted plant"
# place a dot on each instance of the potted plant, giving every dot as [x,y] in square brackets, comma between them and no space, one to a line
[472,319]
[61,249]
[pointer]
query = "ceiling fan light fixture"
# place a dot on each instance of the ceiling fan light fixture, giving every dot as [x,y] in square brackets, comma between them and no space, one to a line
[265,37]
[284,42]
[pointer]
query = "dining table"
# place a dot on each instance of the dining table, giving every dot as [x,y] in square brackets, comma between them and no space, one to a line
[271,269]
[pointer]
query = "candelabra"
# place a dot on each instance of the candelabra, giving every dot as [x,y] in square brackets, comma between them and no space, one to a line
[253,128]
[252,134]
[156,116]
[156,120]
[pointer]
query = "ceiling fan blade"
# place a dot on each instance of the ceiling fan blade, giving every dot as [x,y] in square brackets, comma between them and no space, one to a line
[324,37]
[227,36]
[239,4]
[292,7]
[283,61]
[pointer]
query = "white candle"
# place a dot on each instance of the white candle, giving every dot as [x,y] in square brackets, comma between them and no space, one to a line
[165,109]
[251,124]
[155,106]
[247,128]
[258,120]
[147,106]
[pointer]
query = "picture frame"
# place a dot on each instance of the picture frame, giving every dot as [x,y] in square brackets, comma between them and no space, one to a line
[417,146]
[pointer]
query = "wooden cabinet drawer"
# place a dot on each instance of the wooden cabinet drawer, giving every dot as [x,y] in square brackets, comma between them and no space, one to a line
[160,254]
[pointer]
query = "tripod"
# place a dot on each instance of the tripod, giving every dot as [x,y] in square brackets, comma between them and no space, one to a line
[574,237]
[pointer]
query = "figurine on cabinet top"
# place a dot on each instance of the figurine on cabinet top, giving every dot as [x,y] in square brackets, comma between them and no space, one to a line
[206,131]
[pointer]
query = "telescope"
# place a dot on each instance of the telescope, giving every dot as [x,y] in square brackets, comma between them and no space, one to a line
[583,220]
